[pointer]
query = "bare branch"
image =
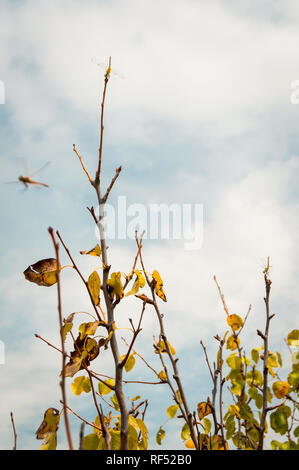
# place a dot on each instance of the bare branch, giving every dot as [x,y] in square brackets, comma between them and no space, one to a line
[14,431]
[62,383]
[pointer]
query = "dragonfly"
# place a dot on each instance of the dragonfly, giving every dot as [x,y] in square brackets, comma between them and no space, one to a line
[28,181]
[108,69]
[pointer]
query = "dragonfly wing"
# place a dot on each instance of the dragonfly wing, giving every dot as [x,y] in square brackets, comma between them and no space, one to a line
[40,169]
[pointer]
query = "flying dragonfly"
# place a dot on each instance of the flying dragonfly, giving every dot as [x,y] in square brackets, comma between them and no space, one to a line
[27,180]
[108,69]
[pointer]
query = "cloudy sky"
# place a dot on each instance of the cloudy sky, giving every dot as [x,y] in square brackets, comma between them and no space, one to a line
[203,115]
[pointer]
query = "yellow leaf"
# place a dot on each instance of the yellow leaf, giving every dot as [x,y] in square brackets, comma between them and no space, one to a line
[161,346]
[190,444]
[234,321]
[139,283]
[185,432]
[231,343]
[280,389]
[96,251]
[172,411]
[89,328]
[94,287]
[43,273]
[203,409]
[293,338]
[66,328]
[49,424]
[50,442]
[130,362]
[115,286]
[159,285]
[105,389]
[81,384]
[160,436]
[162,376]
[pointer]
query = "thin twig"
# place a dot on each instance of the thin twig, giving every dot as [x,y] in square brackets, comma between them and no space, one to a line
[265,362]
[80,275]
[62,383]
[14,431]
[82,164]
[117,172]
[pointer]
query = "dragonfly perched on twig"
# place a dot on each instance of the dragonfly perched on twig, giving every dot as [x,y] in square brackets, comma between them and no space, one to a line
[108,69]
[27,180]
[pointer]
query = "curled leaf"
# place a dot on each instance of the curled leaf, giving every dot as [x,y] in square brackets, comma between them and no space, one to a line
[159,285]
[85,351]
[96,251]
[204,409]
[138,284]
[43,273]
[49,424]
[160,436]
[89,328]
[115,287]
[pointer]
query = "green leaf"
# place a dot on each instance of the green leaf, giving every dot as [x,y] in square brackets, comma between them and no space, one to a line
[279,419]
[172,411]
[50,442]
[114,400]
[233,361]
[207,425]
[130,362]
[144,433]
[293,338]
[254,377]
[255,355]
[279,358]
[104,389]
[91,442]
[132,438]
[66,328]
[160,436]
[49,424]
[293,378]
[185,432]
[115,440]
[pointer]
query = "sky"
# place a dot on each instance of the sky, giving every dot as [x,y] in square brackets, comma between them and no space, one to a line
[201,115]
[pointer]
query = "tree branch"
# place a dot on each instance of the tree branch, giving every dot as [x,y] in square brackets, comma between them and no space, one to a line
[62,383]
